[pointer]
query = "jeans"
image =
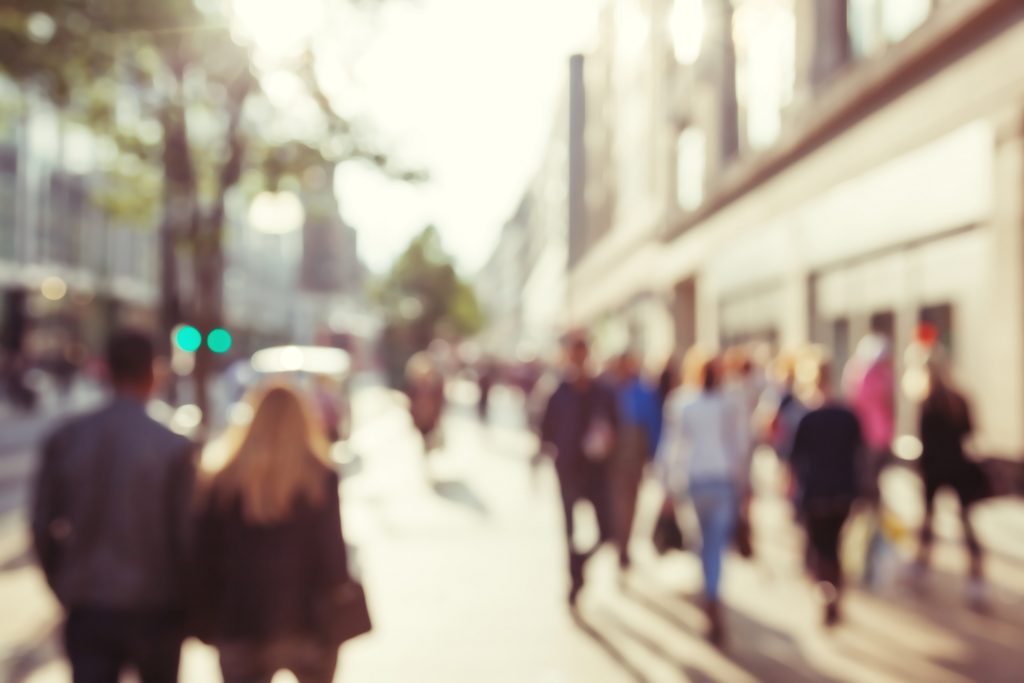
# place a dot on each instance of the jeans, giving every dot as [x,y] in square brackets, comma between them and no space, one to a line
[716,504]
[102,642]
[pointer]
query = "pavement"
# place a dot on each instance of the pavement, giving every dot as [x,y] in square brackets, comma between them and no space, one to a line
[462,556]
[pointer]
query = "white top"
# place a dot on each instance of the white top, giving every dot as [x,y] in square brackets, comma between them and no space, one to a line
[701,439]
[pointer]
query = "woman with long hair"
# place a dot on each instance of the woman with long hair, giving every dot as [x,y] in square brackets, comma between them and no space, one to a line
[702,447]
[269,544]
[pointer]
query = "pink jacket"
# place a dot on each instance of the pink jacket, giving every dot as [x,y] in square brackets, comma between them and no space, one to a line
[873,403]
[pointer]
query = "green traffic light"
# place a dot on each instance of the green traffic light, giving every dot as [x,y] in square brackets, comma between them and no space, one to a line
[188,338]
[219,340]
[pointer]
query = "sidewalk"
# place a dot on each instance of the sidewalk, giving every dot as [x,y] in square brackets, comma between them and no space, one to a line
[465,575]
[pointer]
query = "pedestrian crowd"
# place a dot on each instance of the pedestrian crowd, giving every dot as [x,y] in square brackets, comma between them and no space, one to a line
[696,428]
[147,539]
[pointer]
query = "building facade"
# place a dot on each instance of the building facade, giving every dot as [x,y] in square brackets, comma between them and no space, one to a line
[830,167]
[70,268]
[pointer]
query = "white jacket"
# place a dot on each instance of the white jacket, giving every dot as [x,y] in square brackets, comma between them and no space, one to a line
[700,440]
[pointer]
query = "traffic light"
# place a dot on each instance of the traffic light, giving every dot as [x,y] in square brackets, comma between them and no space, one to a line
[219,340]
[187,338]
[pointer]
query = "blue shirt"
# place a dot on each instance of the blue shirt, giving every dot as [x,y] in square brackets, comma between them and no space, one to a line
[639,406]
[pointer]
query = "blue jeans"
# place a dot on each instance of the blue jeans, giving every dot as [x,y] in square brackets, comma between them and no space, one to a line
[716,503]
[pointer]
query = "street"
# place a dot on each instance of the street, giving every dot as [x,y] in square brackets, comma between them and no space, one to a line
[463,562]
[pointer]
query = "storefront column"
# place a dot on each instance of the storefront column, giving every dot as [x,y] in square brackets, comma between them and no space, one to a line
[1003,385]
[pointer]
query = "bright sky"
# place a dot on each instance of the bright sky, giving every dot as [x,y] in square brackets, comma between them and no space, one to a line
[465,89]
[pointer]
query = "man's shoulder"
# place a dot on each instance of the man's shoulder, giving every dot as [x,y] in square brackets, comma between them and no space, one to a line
[143,427]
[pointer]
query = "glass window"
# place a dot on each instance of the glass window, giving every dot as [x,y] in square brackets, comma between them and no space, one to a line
[900,18]
[862,25]
[687,26]
[691,157]
[764,32]
[8,202]
[871,24]
[940,319]
[840,343]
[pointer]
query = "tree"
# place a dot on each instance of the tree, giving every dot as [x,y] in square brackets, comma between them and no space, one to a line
[424,299]
[197,115]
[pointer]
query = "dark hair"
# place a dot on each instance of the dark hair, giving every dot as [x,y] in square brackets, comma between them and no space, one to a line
[130,356]
[709,374]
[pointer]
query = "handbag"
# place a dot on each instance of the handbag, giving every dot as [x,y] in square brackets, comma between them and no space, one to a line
[344,614]
[667,534]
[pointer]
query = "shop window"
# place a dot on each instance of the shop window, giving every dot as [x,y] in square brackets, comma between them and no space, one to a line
[764,34]
[8,202]
[900,18]
[940,319]
[687,26]
[840,343]
[691,157]
[872,24]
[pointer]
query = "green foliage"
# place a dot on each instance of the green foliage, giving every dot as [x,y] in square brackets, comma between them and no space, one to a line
[424,298]
[169,87]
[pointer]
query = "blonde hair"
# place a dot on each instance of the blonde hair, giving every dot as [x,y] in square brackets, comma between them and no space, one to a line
[272,462]
[695,360]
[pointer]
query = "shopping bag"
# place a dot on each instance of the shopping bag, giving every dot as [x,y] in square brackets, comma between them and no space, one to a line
[667,534]
[343,614]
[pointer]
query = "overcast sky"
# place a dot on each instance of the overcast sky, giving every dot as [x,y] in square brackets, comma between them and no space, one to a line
[466,90]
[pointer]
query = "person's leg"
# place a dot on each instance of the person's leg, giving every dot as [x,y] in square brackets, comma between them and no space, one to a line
[824,527]
[92,643]
[313,662]
[926,535]
[715,504]
[717,528]
[246,663]
[626,485]
[156,647]
[597,490]
[570,489]
[976,580]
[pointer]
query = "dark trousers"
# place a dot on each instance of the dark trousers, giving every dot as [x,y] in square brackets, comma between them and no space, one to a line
[100,643]
[824,522]
[627,471]
[256,662]
[932,485]
[585,481]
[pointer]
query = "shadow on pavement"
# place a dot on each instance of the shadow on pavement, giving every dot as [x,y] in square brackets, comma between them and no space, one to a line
[19,663]
[18,560]
[913,631]
[610,649]
[764,652]
[459,492]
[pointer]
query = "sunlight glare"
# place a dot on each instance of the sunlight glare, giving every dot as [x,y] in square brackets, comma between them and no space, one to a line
[279,30]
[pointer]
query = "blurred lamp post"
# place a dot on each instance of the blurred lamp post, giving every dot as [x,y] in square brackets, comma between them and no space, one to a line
[276,213]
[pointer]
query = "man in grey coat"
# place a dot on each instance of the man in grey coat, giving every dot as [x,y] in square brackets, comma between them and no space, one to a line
[109,526]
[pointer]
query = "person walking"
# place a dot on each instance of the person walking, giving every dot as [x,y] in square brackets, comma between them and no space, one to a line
[640,429]
[580,429]
[426,399]
[827,450]
[487,375]
[702,447]
[270,553]
[110,527]
[945,424]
